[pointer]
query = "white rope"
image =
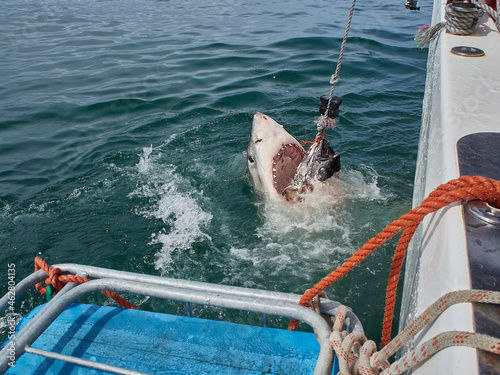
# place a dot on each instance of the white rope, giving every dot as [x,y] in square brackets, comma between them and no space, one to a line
[335,76]
[459,21]
[323,123]
[357,355]
[301,180]
[492,12]
[440,342]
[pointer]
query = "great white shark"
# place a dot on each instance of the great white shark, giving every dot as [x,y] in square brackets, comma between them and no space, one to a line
[280,167]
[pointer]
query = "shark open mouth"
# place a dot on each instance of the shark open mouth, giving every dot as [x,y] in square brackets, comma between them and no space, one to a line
[285,164]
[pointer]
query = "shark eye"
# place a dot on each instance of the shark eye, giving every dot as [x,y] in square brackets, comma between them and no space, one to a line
[258,140]
[250,159]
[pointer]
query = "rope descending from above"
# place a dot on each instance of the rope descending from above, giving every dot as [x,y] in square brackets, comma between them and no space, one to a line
[320,162]
[461,19]
[465,188]
[57,280]
[331,108]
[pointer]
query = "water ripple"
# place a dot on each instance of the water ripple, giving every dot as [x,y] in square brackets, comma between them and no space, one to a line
[88,85]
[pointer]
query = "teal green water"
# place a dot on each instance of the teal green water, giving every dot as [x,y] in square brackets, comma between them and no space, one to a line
[124,126]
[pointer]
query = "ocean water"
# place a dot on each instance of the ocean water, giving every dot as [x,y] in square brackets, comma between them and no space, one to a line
[124,127]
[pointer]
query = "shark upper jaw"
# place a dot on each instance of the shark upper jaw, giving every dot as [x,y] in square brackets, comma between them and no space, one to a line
[272,156]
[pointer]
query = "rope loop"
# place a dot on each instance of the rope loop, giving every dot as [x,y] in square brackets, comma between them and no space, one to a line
[494,13]
[53,279]
[358,355]
[57,280]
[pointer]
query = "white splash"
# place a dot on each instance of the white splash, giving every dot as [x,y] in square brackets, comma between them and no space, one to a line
[144,161]
[316,233]
[185,220]
[175,203]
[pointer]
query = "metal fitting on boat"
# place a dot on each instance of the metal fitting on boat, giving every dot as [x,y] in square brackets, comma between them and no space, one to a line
[461,17]
[467,51]
[484,212]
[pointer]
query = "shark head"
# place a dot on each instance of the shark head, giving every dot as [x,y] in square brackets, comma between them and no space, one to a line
[273,156]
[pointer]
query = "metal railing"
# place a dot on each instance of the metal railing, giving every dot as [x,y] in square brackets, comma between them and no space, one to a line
[253,300]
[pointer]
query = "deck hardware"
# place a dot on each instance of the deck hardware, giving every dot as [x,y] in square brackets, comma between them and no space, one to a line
[478,154]
[252,300]
[467,51]
[484,212]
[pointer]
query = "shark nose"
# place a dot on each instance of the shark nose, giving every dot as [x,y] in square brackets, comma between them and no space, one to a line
[260,115]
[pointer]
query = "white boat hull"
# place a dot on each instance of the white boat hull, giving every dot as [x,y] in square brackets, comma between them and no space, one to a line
[462,97]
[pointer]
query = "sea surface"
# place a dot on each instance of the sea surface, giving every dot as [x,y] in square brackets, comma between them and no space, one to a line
[124,127]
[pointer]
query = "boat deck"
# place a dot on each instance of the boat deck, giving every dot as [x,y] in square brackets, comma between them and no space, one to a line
[166,344]
[66,337]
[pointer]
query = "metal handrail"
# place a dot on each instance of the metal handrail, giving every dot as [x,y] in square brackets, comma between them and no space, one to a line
[326,306]
[254,300]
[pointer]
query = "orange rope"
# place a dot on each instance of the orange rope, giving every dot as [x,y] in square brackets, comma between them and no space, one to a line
[465,188]
[310,143]
[58,281]
[303,143]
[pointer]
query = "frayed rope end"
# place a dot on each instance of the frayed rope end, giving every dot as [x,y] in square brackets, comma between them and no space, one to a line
[427,33]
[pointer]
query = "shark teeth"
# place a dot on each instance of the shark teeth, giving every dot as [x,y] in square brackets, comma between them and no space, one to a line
[295,153]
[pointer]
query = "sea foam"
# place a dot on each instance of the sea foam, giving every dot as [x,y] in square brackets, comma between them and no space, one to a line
[173,201]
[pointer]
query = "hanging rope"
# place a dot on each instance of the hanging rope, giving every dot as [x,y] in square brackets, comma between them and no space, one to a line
[335,77]
[324,122]
[465,188]
[357,355]
[58,281]
[301,181]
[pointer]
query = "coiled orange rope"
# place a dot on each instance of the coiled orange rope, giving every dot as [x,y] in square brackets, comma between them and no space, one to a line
[465,188]
[58,281]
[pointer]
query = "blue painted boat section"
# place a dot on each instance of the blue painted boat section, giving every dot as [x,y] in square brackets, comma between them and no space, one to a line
[166,344]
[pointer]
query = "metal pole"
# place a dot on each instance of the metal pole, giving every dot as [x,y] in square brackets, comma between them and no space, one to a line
[83,362]
[268,306]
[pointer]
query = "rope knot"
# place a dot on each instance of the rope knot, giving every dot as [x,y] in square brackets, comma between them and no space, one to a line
[334,79]
[53,279]
[58,281]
